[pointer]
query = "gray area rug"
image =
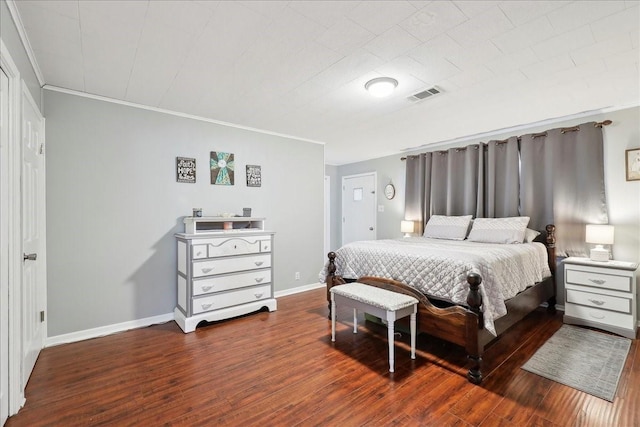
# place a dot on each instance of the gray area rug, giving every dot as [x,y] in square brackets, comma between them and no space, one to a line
[583,359]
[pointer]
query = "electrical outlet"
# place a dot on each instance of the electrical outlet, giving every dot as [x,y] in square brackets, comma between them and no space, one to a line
[297,275]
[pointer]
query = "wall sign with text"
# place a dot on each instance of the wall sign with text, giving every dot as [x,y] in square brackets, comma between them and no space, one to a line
[186,169]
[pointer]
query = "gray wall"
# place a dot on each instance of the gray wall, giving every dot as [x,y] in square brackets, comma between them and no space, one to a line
[11,38]
[113,205]
[623,197]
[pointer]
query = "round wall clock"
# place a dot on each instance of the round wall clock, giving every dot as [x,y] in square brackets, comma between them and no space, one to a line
[389,191]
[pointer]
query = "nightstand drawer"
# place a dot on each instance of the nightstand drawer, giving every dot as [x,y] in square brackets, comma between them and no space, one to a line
[597,280]
[597,315]
[605,302]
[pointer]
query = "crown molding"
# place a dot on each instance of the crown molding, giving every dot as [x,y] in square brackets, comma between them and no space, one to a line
[174,113]
[17,20]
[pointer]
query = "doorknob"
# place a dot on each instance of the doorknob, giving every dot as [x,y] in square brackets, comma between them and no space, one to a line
[30,257]
[371,228]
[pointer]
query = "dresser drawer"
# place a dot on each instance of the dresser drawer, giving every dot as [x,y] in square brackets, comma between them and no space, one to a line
[230,265]
[597,280]
[199,251]
[606,302]
[226,246]
[231,281]
[601,316]
[228,299]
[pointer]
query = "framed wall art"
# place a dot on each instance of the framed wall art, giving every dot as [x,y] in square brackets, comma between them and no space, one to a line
[186,170]
[222,168]
[632,162]
[254,176]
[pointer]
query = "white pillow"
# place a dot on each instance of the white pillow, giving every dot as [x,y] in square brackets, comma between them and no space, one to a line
[499,230]
[530,235]
[447,227]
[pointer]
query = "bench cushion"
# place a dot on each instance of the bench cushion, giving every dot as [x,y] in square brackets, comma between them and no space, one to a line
[377,297]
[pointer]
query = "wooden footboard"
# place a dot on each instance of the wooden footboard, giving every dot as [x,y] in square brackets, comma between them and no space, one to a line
[464,326]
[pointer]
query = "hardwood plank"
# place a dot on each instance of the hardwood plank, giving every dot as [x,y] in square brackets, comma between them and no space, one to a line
[281,368]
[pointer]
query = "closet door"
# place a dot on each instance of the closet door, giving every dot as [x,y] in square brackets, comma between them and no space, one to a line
[33,287]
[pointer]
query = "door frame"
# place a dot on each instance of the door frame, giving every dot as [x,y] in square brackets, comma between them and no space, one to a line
[13,163]
[375,209]
[327,216]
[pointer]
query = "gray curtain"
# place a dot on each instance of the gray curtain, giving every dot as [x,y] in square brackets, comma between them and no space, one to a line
[417,205]
[455,181]
[499,195]
[562,182]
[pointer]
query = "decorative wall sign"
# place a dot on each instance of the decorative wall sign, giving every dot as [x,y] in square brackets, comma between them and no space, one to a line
[632,160]
[186,169]
[254,176]
[222,166]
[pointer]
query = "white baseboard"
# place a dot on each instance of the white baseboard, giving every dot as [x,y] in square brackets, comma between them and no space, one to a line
[148,321]
[107,330]
[299,289]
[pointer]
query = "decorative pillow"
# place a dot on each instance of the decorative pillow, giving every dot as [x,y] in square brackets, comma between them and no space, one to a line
[530,235]
[447,227]
[499,230]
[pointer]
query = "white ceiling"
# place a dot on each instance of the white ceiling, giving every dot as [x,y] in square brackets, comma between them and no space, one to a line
[299,67]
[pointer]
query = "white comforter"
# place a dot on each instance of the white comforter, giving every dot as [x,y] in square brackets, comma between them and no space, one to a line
[439,268]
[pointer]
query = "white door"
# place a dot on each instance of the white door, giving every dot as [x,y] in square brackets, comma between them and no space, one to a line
[4,257]
[33,238]
[358,207]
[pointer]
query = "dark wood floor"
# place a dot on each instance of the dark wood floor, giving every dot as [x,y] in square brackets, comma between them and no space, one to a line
[281,369]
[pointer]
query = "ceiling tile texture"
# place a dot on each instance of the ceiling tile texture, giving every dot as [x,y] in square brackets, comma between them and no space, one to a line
[298,68]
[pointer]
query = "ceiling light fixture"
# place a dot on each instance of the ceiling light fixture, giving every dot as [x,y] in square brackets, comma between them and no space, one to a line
[381,87]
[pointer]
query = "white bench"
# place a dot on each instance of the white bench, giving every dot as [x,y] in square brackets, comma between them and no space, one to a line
[378,302]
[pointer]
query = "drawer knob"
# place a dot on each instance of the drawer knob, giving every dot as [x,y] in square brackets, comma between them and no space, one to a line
[198,253]
[597,302]
[207,288]
[259,263]
[206,306]
[266,247]
[259,279]
[596,315]
[598,281]
[207,270]
[258,296]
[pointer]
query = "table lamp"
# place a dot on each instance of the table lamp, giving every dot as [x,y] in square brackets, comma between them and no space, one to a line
[407,227]
[599,235]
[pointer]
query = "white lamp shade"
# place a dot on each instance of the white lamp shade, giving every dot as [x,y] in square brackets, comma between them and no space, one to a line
[600,234]
[407,226]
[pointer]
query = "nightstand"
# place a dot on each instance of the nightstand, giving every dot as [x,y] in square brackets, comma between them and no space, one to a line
[601,295]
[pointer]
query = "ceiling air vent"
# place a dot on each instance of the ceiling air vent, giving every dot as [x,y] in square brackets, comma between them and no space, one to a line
[424,94]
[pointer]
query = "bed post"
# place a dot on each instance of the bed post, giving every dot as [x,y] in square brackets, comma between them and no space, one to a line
[474,324]
[331,279]
[551,255]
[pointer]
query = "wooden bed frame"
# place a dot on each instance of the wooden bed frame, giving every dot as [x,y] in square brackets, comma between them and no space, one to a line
[464,326]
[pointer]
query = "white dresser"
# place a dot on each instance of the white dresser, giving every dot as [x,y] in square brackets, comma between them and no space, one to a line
[601,295]
[223,273]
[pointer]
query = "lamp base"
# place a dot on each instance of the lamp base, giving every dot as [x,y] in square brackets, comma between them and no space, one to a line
[599,254]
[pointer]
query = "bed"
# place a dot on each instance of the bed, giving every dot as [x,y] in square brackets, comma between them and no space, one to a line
[469,292]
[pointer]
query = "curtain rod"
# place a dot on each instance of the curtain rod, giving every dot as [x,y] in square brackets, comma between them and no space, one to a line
[597,124]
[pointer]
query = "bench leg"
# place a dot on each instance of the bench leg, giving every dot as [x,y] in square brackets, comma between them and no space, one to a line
[355,321]
[391,320]
[333,319]
[413,334]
